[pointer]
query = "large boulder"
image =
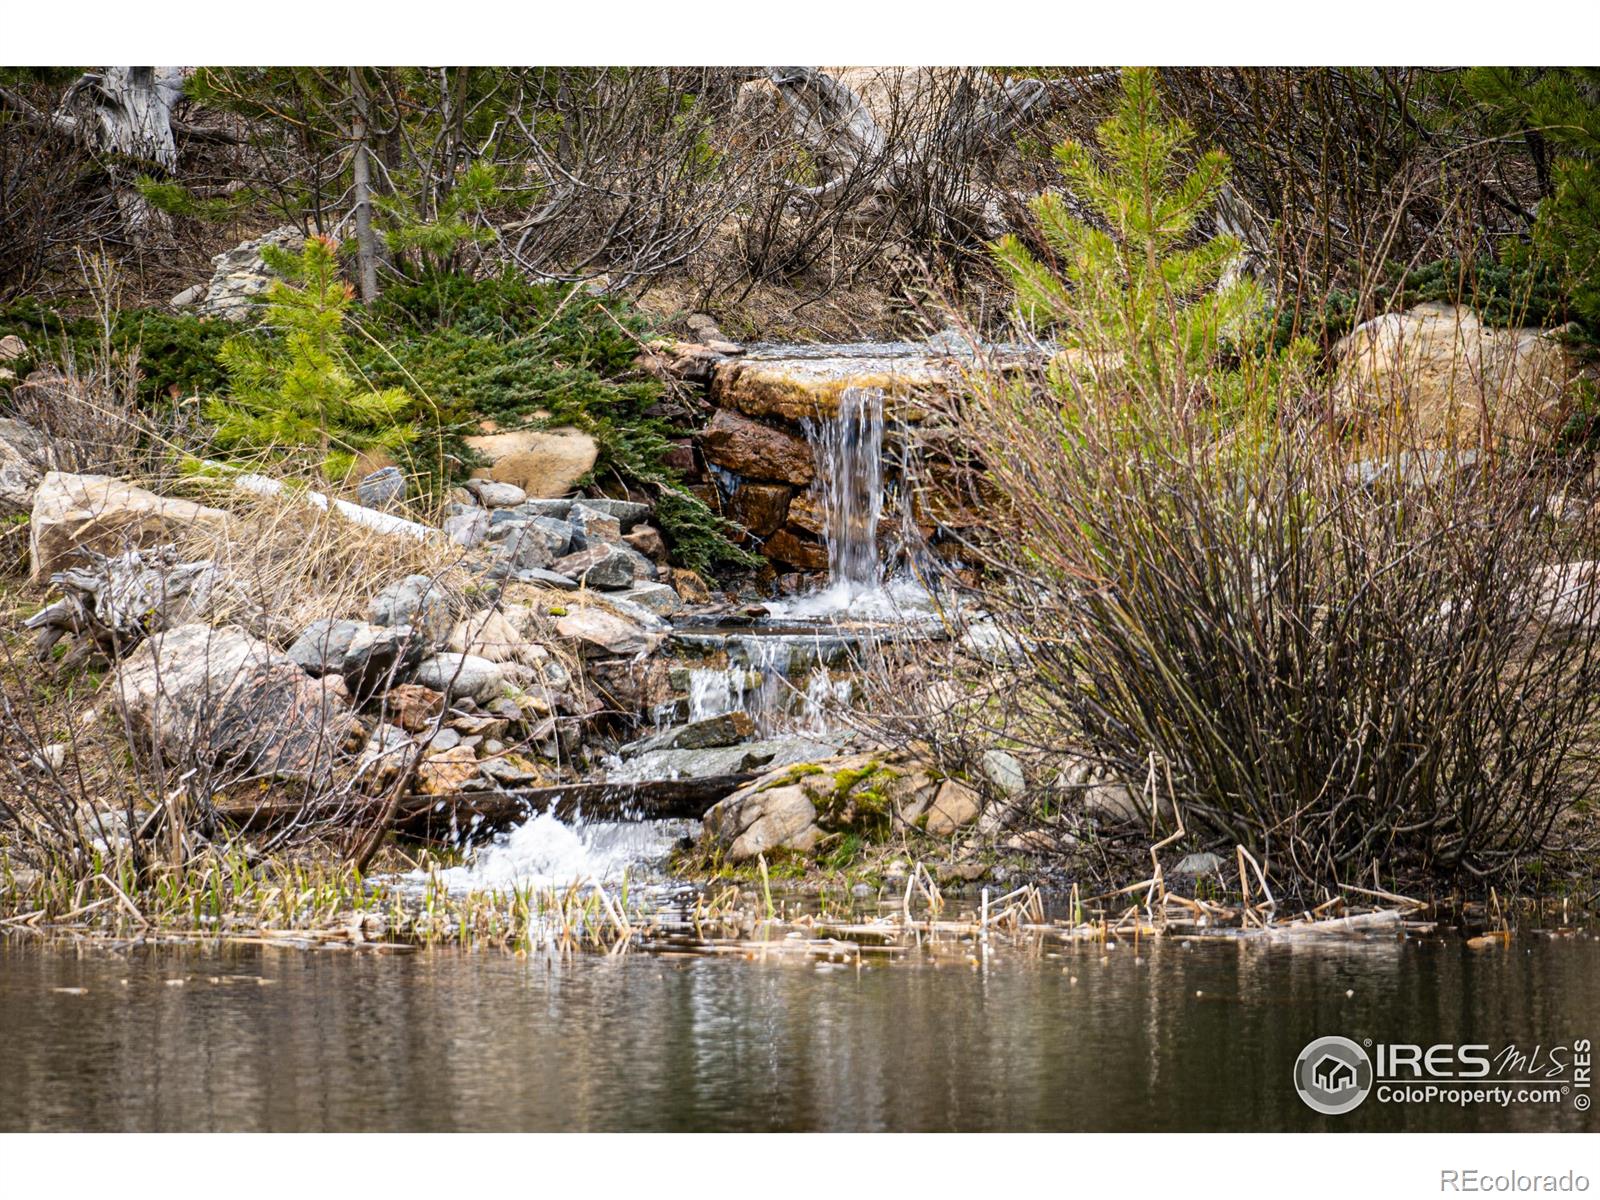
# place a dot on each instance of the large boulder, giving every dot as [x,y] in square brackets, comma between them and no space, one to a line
[103,514]
[210,696]
[760,451]
[543,463]
[1436,376]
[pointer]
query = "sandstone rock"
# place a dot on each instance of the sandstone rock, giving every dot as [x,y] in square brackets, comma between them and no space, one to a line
[383,488]
[761,508]
[462,675]
[1435,376]
[606,633]
[12,348]
[656,597]
[207,695]
[647,540]
[798,389]
[496,636]
[467,528]
[690,586]
[448,771]
[780,818]
[954,805]
[491,494]
[543,463]
[413,707]
[785,547]
[103,514]
[605,566]
[759,451]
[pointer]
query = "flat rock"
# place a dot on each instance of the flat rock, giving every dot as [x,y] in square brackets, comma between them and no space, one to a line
[627,513]
[606,632]
[806,388]
[492,494]
[103,514]
[657,597]
[726,729]
[552,579]
[606,566]
[543,463]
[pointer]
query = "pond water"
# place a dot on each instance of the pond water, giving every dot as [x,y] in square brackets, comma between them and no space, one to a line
[1202,1037]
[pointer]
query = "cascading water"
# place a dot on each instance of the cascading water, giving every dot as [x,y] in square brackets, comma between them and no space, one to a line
[848,450]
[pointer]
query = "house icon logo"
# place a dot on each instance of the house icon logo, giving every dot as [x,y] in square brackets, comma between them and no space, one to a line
[1333,1075]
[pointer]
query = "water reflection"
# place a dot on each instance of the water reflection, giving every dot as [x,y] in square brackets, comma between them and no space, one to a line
[1174,1038]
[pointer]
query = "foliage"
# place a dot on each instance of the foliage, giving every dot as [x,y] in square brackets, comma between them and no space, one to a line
[1135,283]
[293,387]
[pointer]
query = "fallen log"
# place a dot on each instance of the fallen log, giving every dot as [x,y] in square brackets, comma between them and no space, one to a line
[446,817]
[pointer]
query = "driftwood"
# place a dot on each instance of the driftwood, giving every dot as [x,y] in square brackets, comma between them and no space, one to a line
[446,817]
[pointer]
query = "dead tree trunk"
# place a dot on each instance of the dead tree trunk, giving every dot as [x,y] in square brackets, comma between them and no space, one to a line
[361,177]
[125,115]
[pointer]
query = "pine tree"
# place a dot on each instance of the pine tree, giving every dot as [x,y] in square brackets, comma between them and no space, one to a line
[1137,296]
[292,385]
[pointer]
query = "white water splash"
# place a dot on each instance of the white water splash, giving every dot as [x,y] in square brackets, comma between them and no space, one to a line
[547,852]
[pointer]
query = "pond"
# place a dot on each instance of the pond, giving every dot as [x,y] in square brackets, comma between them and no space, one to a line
[1202,1036]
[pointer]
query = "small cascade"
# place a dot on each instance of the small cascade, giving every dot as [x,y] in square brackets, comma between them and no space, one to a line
[849,458]
[763,678]
[548,852]
[848,450]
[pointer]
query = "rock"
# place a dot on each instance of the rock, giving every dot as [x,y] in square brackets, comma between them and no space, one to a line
[1564,596]
[607,633]
[1436,365]
[1112,802]
[207,695]
[12,348]
[627,513]
[552,579]
[467,528]
[555,510]
[241,275]
[189,297]
[445,739]
[605,566]
[1205,863]
[954,805]
[785,547]
[383,488]
[519,546]
[690,586]
[557,534]
[413,707]
[1005,772]
[496,495]
[417,601]
[448,771]
[388,752]
[726,729]
[103,514]
[657,598]
[780,818]
[759,451]
[367,657]
[591,527]
[761,508]
[786,808]
[647,540]
[496,637]
[513,771]
[458,675]
[801,389]
[543,464]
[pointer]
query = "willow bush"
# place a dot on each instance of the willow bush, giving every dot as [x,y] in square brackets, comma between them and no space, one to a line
[1341,661]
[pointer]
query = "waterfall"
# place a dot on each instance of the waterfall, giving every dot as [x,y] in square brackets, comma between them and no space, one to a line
[849,463]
